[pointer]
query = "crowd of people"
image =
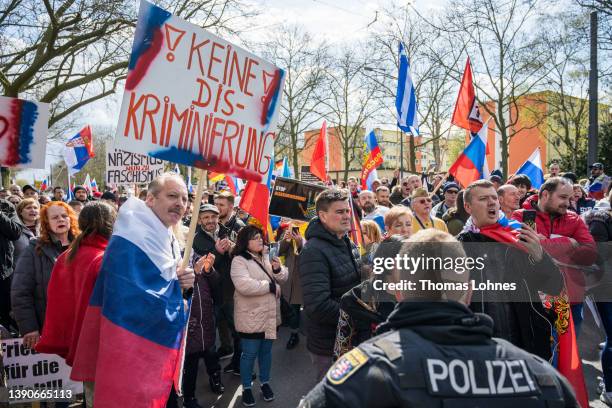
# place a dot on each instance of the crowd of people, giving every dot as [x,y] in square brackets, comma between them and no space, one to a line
[245,282]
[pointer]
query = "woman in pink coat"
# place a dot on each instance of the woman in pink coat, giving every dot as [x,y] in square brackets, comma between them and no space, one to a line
[256,308]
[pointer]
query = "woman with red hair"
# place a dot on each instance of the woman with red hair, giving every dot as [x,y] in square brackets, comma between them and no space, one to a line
[58,227]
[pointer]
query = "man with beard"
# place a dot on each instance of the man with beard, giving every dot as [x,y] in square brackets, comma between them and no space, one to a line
[371,211]
[421,208]
[80,194]
[58,194]
[224,201]
[513,256]
[509,198]
[382,196]
[564,236]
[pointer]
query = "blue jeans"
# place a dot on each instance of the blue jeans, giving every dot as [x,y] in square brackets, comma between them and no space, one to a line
[260,349]
[605,312]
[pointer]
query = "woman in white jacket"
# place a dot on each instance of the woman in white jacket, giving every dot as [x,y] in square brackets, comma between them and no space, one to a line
[256,308]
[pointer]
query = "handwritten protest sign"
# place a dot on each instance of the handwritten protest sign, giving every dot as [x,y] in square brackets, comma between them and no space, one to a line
[124,168]
[23,133]
[294,199]
[25,367]
[196,99]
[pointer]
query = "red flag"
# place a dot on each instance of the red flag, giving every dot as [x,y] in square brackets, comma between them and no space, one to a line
[569,363]
[466,114]
[255,200]
[318,160]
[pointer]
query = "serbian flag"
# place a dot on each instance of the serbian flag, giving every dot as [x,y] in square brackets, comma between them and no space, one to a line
[318,162]
[78,150]
[466,114]
[372,158]
[94,185]
[132,331]
[471,164]
[569,363]
[532,168]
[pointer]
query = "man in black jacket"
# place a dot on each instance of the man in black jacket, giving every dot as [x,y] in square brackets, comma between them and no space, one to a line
[512,256]
[433,351]
[10,231]
[327,270]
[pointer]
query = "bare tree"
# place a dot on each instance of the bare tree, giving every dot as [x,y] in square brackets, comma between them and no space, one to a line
[432,81]
[351,101]
[74,52]
[306,63]
[507,58]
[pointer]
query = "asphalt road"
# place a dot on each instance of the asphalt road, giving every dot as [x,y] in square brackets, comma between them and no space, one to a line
[293,375]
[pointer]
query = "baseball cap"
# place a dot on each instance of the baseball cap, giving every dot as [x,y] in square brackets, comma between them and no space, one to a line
[598,166]
[28,187]
[209,207]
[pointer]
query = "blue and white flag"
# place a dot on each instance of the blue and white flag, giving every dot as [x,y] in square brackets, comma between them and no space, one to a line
[532,168]
[405,101]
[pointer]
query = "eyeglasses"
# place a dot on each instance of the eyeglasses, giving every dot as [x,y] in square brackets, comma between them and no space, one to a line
[452,191]
[424,200]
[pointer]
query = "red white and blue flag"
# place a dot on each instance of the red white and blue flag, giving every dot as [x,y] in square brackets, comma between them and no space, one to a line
[44,185]
[78,150]
[132,331]
[471,165]
[532,168]
[372,158]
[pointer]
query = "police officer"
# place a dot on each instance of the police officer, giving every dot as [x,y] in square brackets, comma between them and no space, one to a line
[433,351]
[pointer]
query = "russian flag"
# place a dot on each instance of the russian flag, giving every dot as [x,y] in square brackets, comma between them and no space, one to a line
[94,185]
[78,150]
[372,158]
[471,163]
[131,336]
[532,168]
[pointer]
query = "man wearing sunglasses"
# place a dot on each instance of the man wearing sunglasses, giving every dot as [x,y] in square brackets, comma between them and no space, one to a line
[421,204]
[450,190]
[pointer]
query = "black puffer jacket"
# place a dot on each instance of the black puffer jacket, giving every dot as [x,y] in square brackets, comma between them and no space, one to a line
[327,271]
[9,232]
[222,286]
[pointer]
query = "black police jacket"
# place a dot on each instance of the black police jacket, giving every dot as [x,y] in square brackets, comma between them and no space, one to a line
[439,355]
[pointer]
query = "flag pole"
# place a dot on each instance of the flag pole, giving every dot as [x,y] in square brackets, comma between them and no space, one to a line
[194,219]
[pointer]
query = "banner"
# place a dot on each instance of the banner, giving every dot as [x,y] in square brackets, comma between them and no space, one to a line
[23,133]
[195,99]
[307,176]
[123,168]
[25,368]
[294,199]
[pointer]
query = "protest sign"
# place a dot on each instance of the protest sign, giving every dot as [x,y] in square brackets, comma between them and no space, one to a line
[25,368]
[294,199]
[307,176]
[23,133]
[124,168]
[196,99]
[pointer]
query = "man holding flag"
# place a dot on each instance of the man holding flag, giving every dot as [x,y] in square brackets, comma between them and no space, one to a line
[132,330]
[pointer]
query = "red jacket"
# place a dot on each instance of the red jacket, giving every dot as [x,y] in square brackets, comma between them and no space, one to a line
[68,295]
[569,225]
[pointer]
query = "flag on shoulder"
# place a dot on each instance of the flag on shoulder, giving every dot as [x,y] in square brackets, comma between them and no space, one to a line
[78,150]
[133,326]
